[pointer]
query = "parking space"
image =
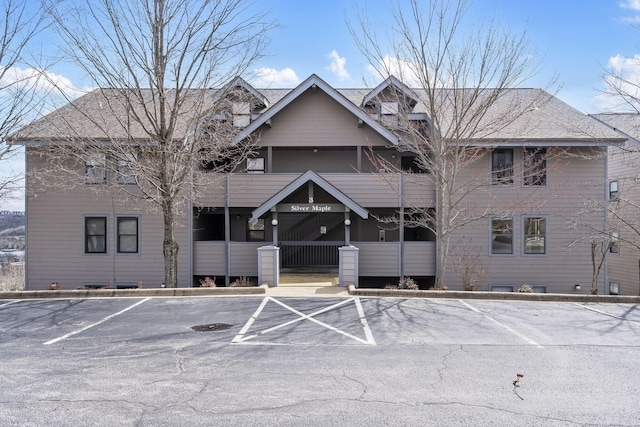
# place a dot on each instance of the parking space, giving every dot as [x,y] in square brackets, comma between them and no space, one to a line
[321,321]
[261,360]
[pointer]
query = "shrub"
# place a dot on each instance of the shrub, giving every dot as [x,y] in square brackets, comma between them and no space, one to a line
[525,288]
[208,282]
[407,283]
[12,277]
[241,282]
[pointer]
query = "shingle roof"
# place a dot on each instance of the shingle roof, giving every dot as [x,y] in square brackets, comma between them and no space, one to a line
[549,120]
[627,123]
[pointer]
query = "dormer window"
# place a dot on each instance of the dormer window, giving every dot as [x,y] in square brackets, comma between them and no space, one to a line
[388,108]
[241,114]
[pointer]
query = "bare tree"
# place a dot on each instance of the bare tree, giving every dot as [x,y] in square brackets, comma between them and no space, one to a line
[463,76]
[155,120]
[19,95]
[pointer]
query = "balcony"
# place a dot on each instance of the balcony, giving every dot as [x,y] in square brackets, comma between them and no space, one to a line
[382,190]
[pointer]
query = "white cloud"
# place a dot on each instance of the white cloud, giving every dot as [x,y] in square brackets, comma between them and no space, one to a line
[630,4]
[270,77]
[43,82]
[628,69]
[337,66]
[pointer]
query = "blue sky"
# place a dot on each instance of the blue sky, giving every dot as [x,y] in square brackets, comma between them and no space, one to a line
[574,40]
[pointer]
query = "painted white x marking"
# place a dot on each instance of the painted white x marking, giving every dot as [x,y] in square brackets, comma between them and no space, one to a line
[241,337]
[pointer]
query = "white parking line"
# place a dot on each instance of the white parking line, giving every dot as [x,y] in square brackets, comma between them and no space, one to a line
[111,316]
[605,313]
[9,303]
[241,338]
[514,332]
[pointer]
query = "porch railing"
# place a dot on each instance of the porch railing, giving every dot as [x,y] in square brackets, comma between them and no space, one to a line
[309,254]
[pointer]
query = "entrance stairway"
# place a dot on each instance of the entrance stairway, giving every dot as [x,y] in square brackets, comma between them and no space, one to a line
[315,280]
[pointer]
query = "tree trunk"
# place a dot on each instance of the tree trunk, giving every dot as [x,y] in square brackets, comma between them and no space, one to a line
[441,232]
[170,249]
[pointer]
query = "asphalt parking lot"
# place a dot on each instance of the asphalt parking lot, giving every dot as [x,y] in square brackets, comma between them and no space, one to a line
[264,360]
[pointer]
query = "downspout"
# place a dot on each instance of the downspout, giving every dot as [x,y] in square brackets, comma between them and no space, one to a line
[401,248]
[606,219]
[26,217]
[227,233]
[190,243]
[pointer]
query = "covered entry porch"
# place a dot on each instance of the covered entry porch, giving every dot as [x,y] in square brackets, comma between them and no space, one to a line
[311,222]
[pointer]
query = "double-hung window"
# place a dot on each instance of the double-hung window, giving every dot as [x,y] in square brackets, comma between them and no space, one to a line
[535,235]
[501,236]
[95,169]
[95,235]
[241,114]
[535,166]
[125,173]
[502,166]
[127,234]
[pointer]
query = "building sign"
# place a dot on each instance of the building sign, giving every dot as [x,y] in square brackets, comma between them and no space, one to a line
[310,207]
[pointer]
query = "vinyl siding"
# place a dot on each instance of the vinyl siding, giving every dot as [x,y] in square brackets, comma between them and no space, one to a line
[367,190]
[378,259]
[244,258]
[419,258]
[570,182]
[316,120]
[209,258]
[55,240]
[624,267]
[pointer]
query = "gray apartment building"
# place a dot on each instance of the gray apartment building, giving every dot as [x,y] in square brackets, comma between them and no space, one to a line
[313,191]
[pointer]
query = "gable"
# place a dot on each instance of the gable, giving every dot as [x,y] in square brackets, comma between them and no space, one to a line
[315,119]
[303,180]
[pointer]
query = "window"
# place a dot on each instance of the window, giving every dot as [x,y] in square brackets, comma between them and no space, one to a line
[95,235]
[255,165]
[241,114]
[95,169]
[614,243]
[125,175]
[614,288]
[255,230]
[613,191]
[127,234]
[501,288]
[502,236]
[502,166]
[535,233]
[535,166]
[388,108]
